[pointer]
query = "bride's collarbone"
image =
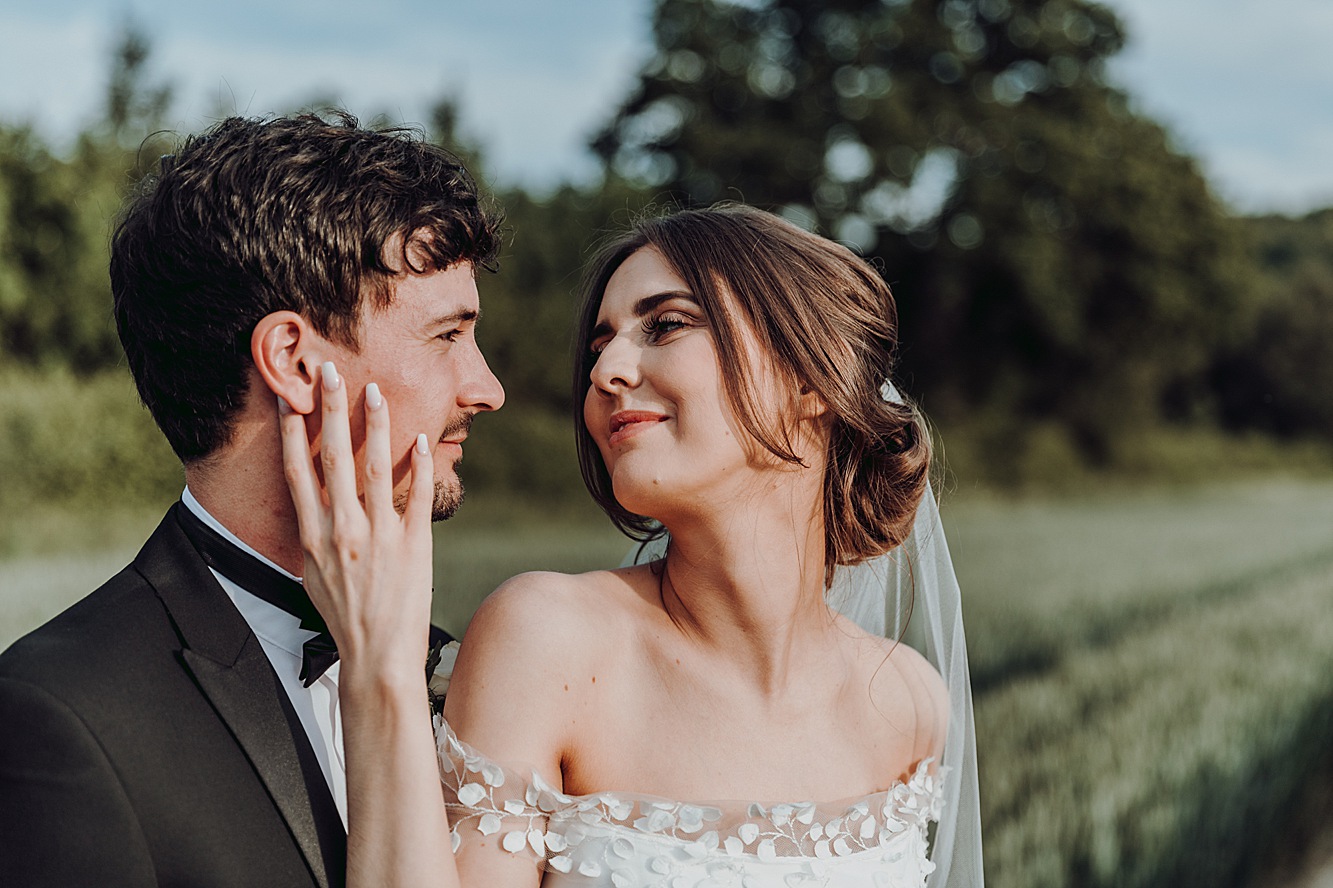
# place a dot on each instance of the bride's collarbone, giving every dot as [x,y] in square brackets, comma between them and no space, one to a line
[710,760]
[652,710]
[678,730]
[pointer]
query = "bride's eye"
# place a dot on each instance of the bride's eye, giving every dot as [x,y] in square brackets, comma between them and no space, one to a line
[593,352]
[658,326]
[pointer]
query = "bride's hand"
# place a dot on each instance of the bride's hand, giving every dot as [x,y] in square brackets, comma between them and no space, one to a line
[367,569]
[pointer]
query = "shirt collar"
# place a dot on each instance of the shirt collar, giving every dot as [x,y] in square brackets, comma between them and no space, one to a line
[268,622]
[194,506]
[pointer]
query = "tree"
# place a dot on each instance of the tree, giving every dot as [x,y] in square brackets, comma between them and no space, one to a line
[1277,378]
[1054,257]
[55,220]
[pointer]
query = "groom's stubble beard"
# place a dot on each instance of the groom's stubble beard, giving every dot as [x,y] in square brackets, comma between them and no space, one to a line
[448,493]
[446,499]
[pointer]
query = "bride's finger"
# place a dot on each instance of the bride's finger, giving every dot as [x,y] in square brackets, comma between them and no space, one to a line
[379,459]
[335,446]
[421,493]
[299,471]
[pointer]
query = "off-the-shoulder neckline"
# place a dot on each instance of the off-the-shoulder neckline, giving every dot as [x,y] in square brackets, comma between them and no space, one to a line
[918,782]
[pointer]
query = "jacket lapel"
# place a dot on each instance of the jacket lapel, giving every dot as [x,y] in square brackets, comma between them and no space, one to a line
[231,669]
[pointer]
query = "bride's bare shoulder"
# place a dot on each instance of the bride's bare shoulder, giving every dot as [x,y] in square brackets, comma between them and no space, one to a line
[526,669]
[561,609]
[545,624]
[903,679]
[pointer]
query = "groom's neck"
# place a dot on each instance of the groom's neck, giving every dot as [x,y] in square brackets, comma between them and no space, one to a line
[242,486]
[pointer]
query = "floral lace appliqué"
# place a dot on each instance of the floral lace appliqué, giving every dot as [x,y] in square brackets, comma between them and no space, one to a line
[624,840]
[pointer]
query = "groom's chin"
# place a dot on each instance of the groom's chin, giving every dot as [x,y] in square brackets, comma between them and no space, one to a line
[448,497]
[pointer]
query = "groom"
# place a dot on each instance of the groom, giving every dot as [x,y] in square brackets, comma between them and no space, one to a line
[179,726]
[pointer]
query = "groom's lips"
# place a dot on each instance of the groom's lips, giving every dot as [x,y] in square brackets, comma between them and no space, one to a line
[456,433]
[627,423]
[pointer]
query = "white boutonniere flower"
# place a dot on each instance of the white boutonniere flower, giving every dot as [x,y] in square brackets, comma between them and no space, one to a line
[439,670]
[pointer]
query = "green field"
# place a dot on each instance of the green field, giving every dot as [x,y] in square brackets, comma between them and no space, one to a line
[1154,669]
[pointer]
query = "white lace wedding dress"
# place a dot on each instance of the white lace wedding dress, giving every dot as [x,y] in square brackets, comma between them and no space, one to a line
[627,840]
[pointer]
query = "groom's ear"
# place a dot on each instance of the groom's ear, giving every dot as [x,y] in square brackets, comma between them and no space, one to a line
[287,352]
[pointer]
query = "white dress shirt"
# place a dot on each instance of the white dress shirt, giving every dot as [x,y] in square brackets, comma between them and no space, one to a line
[282,638]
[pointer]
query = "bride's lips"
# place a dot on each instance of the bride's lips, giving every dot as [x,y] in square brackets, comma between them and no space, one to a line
[627,423]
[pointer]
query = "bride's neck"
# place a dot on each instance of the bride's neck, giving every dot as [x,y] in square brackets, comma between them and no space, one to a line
[747,584]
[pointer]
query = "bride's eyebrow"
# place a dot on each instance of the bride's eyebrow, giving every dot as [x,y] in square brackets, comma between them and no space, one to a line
[649,304]
[646,305]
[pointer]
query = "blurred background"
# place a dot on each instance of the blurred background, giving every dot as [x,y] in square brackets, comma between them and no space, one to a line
[1109,228]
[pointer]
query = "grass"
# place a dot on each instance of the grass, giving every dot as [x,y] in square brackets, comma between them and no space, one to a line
[1154,667]
[477,550]
[1169,757]
[66,555]
[1046,577]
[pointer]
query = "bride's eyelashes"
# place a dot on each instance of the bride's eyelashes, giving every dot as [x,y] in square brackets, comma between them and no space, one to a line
[657,327]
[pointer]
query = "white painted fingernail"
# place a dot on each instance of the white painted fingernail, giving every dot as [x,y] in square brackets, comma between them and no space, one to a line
[328,375]
[283,407]
[423,445]
[374,400]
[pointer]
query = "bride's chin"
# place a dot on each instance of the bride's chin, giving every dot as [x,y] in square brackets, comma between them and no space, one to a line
[649,497]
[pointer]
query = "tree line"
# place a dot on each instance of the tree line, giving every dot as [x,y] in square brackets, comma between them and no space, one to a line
[1059,263]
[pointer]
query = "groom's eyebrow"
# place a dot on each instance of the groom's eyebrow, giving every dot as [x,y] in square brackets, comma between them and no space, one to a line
[462,316]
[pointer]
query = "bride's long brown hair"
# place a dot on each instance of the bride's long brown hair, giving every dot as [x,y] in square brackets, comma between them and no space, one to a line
[828,322]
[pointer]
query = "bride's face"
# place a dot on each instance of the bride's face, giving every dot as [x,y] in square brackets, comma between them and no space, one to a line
[656,405]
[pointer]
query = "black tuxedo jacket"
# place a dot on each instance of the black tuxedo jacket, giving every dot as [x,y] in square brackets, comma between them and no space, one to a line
[145,740]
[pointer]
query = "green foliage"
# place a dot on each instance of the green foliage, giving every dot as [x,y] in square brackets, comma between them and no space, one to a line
[1278,376]
[55,303]
[527,334]
[1063,290]
[55,224]
[1003,453]
[78,444]
[1071,266]
[530,305]
[133,106]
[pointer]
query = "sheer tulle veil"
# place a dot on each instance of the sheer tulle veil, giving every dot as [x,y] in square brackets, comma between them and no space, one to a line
[912,594]
[918,579]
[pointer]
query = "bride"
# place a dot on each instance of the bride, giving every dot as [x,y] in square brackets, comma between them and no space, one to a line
[708,717]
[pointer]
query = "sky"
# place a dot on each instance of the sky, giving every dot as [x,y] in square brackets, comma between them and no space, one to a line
[1246,86]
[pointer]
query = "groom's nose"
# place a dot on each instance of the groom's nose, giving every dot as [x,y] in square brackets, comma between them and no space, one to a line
[480,390]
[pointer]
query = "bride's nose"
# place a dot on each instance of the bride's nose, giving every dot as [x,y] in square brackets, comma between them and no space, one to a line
[617,366]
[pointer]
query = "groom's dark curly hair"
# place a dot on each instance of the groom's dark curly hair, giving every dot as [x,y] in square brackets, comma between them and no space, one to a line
[262,215]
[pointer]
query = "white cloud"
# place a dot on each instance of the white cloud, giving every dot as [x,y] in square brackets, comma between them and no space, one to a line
[534,79]
[53,72]
[1245,86]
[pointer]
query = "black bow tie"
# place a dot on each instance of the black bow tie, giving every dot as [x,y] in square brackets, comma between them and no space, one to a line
[262,581]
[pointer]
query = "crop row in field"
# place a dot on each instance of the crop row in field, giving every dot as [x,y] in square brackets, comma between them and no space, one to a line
[1043,580]
[1169,758]
[1157,668]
